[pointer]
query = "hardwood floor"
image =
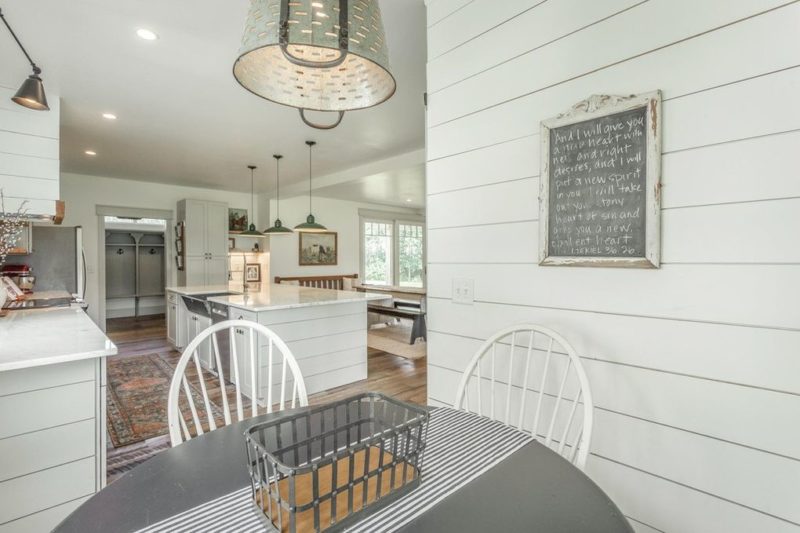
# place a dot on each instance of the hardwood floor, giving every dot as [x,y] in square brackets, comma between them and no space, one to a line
[396,376]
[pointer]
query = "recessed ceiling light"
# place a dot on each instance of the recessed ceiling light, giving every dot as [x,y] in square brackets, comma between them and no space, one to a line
[110,116]
[90,152]
[409,200]
[147,35]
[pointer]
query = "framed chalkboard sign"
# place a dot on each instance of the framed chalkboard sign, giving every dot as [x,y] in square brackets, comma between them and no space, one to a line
[599,194]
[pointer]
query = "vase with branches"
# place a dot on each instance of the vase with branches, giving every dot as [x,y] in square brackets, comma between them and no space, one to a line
[11,226]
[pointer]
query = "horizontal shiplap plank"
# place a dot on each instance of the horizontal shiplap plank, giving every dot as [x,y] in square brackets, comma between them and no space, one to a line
[502,202]
[640,527]
[313,312]
[580,54]
[30,188]
[319,365]
[28,166]
[760,480]
[32,206]
[323,345]
[510,243]
[47,448]
[512,160]
[52,487]
[748,232]
[321,327]
[757,295]
[335,378]
[750,356]
[514,28]
[728,233]
[28,145]
[470,22]
[755,116]
[45,520]
[720,173]
[440,9]
[29,122]
[42,377]
[33,411]
[669,506]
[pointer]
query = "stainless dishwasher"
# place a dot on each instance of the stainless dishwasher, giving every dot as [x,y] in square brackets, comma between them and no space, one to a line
[219,313]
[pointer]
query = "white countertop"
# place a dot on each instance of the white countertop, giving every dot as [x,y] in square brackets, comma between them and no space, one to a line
[191,290]
[50,336]
[273,296]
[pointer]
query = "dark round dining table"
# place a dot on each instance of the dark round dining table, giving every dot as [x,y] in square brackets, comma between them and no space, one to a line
[533,489]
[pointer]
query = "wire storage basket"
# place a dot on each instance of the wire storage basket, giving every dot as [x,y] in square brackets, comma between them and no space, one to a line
[326,467]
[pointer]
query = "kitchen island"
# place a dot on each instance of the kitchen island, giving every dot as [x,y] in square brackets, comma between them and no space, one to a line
[326,330]
[52,415]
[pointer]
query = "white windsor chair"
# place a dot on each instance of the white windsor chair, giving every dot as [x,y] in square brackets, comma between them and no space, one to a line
[494,367]
[259,378]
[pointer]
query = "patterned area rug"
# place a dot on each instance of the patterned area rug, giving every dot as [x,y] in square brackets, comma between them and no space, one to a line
[138,388]
[394,340]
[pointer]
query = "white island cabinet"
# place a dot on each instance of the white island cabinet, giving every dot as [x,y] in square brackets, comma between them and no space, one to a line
[52,415]
[326,330]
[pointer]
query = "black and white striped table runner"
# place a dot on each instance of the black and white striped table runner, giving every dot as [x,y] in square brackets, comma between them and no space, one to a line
[460,447]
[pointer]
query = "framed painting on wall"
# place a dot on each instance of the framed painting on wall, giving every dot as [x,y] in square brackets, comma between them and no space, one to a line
[237,220]
[252,272]
[319,249]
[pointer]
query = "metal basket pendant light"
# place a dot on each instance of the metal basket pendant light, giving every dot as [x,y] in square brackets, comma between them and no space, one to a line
[320,55]
[31,92]
[310,225]
[278,228]
[252,231]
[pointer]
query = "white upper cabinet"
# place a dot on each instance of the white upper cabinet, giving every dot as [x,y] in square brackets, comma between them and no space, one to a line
[205,241]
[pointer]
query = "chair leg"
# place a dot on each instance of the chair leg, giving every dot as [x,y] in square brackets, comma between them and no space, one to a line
[419,329]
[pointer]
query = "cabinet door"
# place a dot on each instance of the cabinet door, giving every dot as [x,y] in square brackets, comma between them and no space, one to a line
[204,351]
[195,270]
[217,270]
[172,325]
[195,230]
[216,220]
[242,342]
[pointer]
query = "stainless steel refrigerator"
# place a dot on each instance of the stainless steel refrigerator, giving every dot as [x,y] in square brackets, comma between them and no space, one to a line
[57,259]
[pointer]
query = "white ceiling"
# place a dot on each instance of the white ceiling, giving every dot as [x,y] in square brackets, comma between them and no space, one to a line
[183,119]
[404,187]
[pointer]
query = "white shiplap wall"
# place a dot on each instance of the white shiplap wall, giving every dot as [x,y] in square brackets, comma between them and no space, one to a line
[29,164]
[695,368]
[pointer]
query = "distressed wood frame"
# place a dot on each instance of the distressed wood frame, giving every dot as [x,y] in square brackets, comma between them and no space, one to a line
[593,107]
[300,248]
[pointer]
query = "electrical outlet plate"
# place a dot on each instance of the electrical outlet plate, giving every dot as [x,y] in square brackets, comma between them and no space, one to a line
[463,291]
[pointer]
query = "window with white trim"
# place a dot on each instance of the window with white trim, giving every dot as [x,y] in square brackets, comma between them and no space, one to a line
[392,252]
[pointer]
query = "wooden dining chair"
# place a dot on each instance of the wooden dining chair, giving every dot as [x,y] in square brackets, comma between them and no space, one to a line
[530,377]
[265,354]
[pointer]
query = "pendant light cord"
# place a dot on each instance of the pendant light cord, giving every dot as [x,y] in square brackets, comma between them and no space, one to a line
[36,70]
[278,189]
[252,196]
[310,146]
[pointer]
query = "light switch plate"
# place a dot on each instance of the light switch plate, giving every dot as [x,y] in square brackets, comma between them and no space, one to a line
[463,291]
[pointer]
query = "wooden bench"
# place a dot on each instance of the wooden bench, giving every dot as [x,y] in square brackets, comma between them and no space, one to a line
[318,282]
[418,328]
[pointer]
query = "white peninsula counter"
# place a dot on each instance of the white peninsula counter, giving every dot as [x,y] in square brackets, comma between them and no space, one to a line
[52,415]
[326,330]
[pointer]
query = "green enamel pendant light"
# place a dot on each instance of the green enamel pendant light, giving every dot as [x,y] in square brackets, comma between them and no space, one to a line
[252,231]
[310,225]
[278,228]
